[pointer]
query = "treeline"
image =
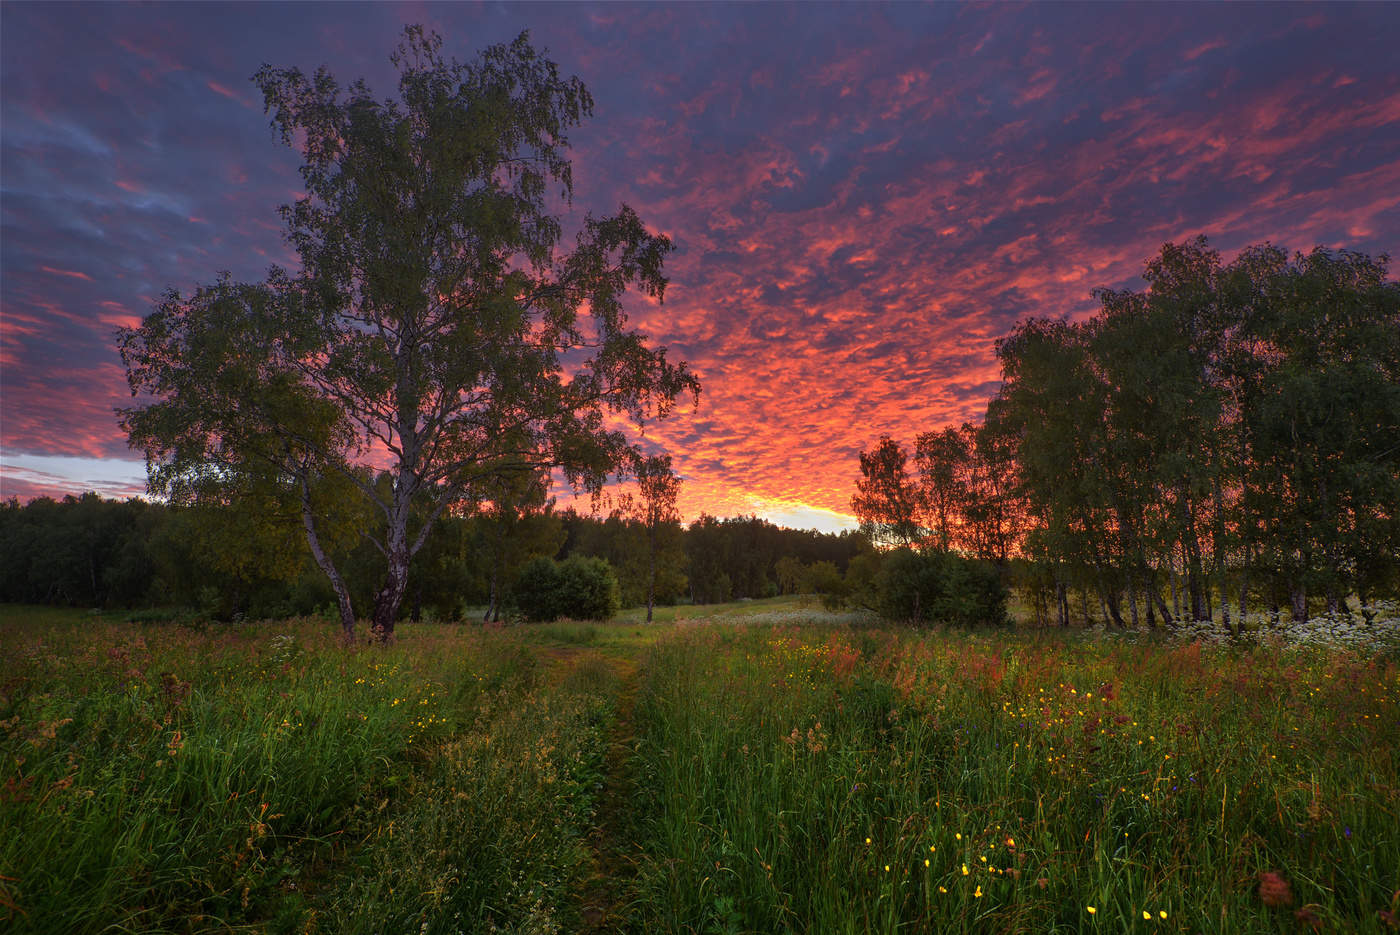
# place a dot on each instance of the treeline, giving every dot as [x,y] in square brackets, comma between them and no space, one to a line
[1227,438]
[246,559]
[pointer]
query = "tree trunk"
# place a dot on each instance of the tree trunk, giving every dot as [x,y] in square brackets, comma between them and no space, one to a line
[1219,549]
[1244,584]
[1114,612]
[1176,591]
[651,573]
[1299,597]
[1167,617]
[388,601]
[1062,603]
[323,561]
[390,596]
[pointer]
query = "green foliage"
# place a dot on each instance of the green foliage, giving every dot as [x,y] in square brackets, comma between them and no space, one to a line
[579,587]
[825,579]
[939,587]
[433,315]
[79,551]
[739,557]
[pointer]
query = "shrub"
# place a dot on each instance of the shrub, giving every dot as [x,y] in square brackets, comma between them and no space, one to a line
[939,587]
[581,587]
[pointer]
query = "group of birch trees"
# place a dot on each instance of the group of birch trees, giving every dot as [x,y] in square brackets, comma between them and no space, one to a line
[1227,438]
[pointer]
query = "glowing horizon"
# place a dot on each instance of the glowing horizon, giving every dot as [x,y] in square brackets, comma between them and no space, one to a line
[860,209]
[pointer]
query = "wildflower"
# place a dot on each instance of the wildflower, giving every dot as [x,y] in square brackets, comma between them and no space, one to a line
[964,869]
[867,840]
[1274,889]
[943,889]
[887,868]
[1091,909]
[925,861]
[958,835]
[978,893]
[1146,914]
[1162,913]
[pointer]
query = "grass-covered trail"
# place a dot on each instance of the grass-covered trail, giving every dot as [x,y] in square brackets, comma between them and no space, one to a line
[611,887]
[764,770]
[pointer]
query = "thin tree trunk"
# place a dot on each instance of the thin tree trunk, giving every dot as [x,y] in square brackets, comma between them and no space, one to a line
[1176,591]
[1299,598]
[323,561]
[1244,584]
[651,572]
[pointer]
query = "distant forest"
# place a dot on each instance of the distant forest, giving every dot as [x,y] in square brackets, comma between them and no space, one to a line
[1227,439]
[233,562]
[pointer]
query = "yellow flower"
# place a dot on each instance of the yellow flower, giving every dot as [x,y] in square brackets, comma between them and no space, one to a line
[1146,914]
[867,840]
[958,835]
[978,893]
[964,869]
[1092,910]
[932,848]
[1163,913]
[943,889]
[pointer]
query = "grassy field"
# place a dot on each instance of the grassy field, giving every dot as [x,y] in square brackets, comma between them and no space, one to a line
[730,771]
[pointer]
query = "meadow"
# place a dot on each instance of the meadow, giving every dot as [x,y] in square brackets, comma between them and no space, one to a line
[763,767]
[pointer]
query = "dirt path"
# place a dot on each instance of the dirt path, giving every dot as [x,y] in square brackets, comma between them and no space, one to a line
[608,892]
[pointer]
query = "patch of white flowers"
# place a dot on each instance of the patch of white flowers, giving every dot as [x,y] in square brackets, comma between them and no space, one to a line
[1370,628]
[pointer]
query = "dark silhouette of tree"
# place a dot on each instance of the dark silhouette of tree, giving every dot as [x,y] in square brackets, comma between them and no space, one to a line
[654,508]
[887,499]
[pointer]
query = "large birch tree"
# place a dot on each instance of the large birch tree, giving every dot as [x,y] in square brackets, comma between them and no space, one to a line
[435,330]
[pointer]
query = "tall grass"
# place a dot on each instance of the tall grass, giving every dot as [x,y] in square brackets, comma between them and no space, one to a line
[787,774]
[830,781]
[167,779]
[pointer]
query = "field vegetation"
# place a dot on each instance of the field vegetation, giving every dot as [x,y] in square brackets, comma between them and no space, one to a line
[776,768]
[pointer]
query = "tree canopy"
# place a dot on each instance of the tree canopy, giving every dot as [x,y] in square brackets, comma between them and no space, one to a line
[1228,431]
[436,333]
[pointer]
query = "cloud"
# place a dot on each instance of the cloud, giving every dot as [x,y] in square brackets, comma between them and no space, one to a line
[860,210]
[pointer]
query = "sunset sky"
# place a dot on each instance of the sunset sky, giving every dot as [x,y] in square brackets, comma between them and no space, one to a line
[864,196]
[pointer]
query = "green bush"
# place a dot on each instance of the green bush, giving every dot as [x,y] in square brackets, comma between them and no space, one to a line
[580,587]
[939,587]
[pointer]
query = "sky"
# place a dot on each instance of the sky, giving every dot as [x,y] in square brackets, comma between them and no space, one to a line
[864,197]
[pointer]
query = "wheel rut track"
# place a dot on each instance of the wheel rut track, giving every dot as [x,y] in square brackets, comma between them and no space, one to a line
[608,891]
